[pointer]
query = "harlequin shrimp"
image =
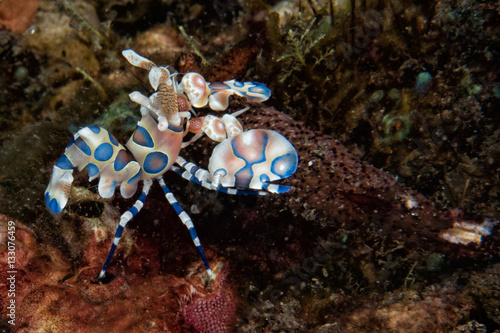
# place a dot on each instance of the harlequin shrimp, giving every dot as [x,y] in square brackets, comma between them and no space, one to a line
[242,163]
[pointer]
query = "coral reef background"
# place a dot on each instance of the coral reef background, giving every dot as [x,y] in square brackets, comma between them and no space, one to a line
[392,105]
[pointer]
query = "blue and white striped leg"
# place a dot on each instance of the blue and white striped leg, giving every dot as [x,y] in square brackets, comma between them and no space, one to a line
[193,173]
[186,220]
[124,219]
[202,177]
[192,177]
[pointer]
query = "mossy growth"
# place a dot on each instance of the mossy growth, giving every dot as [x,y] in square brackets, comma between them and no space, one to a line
[298,62]
[120,118]
[303,52]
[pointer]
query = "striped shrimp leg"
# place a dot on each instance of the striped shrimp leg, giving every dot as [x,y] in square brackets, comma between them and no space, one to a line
[186,220]
[124,219]
[202,177]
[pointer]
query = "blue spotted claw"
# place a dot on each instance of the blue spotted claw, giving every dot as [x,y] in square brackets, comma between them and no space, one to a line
[252,159]
[95,149]
[243,162]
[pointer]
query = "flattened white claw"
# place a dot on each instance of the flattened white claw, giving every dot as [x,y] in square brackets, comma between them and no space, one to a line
[196,88]
[214,128]
[233,126]
[219,101]
[154,77]
[137,60]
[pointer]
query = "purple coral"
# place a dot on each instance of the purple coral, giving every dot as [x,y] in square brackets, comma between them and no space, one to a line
[214,311]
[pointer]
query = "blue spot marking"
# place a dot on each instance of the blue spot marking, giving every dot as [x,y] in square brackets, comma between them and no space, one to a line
[64,163]
[263,149]
[84,147]
[121,160]
[264,178]
[260,89]
[155,162]
[47,200]
[95,129]
[238,84]
[54,206]
[261,85]
[289,160]
[133,179]
[93,169]
[142,137]
[113,139]
[104,152]
[245,174]
[283,189]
